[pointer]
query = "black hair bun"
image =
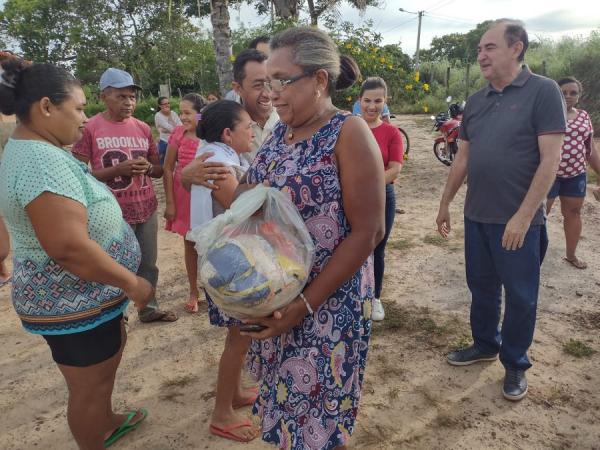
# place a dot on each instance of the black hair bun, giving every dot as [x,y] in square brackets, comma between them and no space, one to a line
[10,75]
[349,73]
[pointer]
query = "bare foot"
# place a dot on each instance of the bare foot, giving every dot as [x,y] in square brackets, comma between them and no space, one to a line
[192,305]
[119,419]
[576,262]
[244,397]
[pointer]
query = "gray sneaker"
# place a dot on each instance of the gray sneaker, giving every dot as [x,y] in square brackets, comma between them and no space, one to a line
[469,355]
[515,385]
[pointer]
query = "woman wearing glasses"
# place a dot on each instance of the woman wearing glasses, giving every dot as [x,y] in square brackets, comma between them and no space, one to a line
[312,353]
[165,121]
[570,185]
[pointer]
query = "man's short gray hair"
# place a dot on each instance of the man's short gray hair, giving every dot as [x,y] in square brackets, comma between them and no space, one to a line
[513,33]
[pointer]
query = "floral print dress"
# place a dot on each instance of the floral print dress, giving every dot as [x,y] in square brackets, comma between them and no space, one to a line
[312,376]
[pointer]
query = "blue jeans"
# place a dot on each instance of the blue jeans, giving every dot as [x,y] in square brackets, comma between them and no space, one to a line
[146,234]
[489,267]
[162,151]
[379,253]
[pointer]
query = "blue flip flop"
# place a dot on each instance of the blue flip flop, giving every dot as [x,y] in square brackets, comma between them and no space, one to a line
[126,427]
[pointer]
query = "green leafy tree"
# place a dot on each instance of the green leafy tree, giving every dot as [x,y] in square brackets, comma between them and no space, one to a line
[40,27]
[459,48]
[156,44]
[450,46]
[388,62]
[319,8]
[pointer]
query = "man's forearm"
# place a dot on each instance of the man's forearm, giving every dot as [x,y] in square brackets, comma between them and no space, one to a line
[540,186]
[456,178]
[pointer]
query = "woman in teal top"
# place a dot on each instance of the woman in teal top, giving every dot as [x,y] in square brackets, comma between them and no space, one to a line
[74,257]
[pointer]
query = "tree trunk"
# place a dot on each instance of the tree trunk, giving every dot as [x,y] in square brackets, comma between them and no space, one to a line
[314,17]
[286,9]
[219,17]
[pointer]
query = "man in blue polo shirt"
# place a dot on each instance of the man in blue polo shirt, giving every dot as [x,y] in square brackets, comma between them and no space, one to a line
[511,137]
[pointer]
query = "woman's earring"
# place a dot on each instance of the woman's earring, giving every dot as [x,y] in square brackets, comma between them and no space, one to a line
[318,93]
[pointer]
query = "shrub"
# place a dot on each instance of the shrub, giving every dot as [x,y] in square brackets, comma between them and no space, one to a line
[387,62]
[144,109]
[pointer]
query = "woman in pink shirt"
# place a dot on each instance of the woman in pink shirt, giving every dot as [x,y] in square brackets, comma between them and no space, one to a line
[373,95]
[571,177]
[181,150]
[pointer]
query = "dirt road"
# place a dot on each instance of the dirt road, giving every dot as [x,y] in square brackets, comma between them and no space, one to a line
[412,398]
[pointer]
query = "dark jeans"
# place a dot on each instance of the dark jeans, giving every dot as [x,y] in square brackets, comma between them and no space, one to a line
[379,253]
[162,151]
[146,234]
[489,268]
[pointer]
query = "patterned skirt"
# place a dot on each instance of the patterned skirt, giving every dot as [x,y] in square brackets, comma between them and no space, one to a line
[312,376]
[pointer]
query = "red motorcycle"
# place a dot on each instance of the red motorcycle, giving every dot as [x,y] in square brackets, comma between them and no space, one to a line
[448,124]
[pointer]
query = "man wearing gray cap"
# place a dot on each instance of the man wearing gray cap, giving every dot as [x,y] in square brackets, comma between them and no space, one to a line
[123,154]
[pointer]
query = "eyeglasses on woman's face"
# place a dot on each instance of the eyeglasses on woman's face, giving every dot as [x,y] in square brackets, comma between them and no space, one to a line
[165,104]
[278,85]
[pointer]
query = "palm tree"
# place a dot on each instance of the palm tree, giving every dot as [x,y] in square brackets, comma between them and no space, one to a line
[219,17]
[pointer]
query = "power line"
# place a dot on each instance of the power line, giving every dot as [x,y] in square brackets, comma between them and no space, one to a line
[452,19]
[420,15]
[443,5]
[433,5]
[400,24]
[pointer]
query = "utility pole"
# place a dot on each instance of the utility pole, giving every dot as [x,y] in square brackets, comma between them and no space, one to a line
[420,15]
[418,40]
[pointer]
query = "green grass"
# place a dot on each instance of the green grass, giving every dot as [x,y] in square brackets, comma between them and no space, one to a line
[461,342]
[435,239]
[181,381]
[423,325]
[394,392]
[400,244]
[577,349]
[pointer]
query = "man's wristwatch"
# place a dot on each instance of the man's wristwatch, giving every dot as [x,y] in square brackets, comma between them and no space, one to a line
[150,169]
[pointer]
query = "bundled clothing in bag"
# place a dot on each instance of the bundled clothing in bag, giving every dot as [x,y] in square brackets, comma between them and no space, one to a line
[254,263]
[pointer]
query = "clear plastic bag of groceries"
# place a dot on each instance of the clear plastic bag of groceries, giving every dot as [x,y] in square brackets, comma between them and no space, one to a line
[255,257]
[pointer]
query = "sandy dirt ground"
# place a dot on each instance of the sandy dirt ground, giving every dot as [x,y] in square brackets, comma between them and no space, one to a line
[412,399]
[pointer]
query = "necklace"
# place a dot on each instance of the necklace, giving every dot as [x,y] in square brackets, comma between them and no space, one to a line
[290,132]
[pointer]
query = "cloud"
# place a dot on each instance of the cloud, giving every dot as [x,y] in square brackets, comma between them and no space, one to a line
[562,20]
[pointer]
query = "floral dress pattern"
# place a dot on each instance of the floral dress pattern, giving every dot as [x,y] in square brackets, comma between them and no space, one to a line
[312,376]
